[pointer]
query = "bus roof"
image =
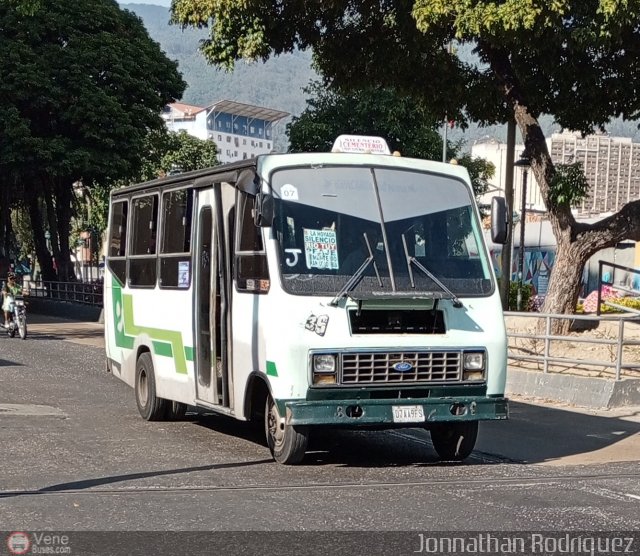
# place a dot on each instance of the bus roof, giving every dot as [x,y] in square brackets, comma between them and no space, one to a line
[201,178]
[231,171]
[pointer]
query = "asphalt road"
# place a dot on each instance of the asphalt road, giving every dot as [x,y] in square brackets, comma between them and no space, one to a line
[77,457]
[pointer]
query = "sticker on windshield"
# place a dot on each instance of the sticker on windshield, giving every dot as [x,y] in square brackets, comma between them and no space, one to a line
[321,249]
[289,192]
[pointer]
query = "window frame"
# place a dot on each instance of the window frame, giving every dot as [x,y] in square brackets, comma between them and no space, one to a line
[130,257]
[240,205]
[161,232]
[126,202]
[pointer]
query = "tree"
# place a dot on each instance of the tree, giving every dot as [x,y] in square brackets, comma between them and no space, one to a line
[578,60]
[83,85]
[407,126]
[163,152]
[186,152]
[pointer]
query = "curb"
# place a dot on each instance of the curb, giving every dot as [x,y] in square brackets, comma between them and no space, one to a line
[589,392]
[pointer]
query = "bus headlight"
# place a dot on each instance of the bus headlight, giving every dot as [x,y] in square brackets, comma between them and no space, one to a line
[324,363]
[473,365]
[324,368]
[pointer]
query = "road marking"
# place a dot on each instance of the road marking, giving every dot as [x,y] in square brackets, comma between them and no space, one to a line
[632,496]
[31,410]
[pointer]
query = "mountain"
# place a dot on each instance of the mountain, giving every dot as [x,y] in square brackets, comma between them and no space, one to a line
[278,83]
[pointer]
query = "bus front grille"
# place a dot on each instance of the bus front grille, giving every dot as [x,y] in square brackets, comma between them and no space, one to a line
[401,367]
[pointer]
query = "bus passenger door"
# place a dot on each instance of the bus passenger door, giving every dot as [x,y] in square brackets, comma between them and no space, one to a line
[204,356]
[210,358]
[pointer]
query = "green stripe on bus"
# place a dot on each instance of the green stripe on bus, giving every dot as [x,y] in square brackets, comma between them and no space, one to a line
[162,348]
[170,336]
[165,342]
[271,369]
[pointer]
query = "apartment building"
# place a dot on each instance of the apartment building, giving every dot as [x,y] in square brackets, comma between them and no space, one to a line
[611,166]
[239,130]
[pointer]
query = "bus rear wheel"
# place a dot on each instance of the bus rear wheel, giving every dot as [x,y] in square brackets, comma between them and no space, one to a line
[150,406]
[287,443]
[454,441]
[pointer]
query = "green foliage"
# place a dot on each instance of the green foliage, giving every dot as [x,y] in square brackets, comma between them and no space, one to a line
[82,84]
[569,185]
[527,293]
[87,83]
[480,171]
[166,151]
[188,153]
[25,7]
[21,226]
[407,126]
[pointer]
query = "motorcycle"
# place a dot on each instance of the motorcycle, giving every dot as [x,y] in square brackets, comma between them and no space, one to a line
[18,312]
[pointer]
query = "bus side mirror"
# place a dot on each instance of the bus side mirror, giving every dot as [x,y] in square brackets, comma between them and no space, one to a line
[264,210]
[499,220]
[248,181]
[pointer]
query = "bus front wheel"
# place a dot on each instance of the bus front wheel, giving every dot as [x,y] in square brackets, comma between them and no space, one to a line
[150,406]
[287,443]
[454,441]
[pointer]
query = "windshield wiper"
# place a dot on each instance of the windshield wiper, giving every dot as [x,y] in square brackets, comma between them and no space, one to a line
[412,260]
[351,282]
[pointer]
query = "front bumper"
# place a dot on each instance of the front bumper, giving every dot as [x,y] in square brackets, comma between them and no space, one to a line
[379,412]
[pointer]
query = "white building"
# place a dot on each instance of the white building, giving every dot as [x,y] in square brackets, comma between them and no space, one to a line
[496,152]
[239,130]
[611,166]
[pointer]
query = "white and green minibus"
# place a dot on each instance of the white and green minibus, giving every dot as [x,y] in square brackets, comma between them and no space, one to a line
[342,289]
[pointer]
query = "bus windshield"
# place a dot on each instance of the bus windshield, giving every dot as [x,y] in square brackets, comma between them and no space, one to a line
[394,229]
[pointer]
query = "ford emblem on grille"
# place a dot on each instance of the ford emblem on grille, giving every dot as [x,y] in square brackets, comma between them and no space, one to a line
[402,366]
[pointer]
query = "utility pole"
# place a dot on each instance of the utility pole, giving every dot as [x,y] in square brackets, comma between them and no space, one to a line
[508,196]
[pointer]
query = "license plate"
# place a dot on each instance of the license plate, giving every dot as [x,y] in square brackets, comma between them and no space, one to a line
[408,413]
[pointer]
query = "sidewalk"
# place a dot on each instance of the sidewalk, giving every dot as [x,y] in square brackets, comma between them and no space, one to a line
[79,332]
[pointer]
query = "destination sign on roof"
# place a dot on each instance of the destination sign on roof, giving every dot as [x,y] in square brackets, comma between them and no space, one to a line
[360,144]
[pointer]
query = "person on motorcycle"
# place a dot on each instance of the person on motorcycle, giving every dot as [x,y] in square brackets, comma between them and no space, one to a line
[10,289]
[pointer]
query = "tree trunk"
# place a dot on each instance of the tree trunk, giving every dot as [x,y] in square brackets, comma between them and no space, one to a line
[39,241]
[565,281]
[63,220]
[52,222]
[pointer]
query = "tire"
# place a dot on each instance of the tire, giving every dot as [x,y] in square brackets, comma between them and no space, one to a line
[150,406]
[287,443]
[454,441]
[176,411]
[22,327]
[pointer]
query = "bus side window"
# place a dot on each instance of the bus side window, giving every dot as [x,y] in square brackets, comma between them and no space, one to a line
[118,240]
[252,273]
[142,258]
[175,248]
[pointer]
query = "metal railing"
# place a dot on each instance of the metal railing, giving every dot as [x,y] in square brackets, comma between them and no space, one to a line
[545,357]
[87,293]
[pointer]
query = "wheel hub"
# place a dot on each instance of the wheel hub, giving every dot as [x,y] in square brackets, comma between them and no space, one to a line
[276,429]
[143,388]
